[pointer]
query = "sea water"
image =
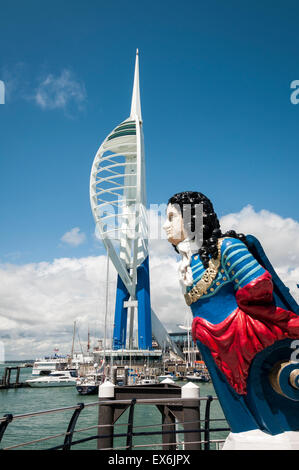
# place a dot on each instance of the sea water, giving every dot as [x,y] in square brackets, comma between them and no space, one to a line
[26,400]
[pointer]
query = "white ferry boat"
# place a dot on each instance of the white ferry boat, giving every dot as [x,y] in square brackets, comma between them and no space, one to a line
[49,364]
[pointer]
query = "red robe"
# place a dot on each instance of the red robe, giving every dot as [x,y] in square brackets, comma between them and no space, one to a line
[256,324]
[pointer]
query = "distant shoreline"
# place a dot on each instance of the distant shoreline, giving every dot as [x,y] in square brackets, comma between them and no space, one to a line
[17,360]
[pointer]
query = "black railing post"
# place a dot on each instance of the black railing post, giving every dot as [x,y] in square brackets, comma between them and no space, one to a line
[130,425]
[71,427]
[207,423]
[4,424]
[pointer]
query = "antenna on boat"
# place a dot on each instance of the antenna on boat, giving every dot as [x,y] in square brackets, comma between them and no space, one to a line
[80,345]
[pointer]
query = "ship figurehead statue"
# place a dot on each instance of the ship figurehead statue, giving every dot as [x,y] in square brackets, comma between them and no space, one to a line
[245,324]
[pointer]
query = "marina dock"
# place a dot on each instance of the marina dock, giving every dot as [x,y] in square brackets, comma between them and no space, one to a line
[8,381]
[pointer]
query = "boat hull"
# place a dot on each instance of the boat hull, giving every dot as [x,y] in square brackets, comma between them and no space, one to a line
[199,378]
[87,389]
[169,376]
[37,384]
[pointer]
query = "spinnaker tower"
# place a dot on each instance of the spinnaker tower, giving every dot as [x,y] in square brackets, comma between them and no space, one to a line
[118,204]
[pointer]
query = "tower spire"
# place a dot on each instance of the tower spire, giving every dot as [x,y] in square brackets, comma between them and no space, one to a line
[135,104]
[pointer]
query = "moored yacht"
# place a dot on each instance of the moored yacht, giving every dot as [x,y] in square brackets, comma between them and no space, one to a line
[147,380]
[197,377]
[89,384]
[54,379]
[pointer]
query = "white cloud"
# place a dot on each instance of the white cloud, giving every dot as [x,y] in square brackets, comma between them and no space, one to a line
[74,237]
[40,301]
[60,92]
[279,237]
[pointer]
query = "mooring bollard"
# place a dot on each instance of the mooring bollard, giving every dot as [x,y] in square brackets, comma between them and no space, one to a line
[106,415]
[191,415]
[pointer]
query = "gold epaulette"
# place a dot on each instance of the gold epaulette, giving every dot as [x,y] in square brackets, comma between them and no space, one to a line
[208,277]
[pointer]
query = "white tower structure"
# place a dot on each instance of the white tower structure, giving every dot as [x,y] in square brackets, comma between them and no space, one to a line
[118,203]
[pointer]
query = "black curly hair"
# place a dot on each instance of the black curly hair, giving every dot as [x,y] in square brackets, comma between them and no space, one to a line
[211,227]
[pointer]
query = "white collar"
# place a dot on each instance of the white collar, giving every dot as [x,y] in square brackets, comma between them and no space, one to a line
[186,248]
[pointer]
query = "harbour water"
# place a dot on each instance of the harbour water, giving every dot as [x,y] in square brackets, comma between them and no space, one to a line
[27,399]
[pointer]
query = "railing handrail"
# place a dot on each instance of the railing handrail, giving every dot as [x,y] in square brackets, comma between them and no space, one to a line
[142,401]
[201,425]
[121,435]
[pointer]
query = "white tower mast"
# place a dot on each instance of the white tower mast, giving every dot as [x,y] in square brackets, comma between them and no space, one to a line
[117,194]
[118,203]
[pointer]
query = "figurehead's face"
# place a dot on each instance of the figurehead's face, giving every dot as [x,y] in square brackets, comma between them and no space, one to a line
[173,225]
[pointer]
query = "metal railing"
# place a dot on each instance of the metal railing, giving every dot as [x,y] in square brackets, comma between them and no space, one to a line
[201,426]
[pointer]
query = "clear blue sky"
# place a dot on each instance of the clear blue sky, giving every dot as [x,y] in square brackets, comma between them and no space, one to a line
[215,90]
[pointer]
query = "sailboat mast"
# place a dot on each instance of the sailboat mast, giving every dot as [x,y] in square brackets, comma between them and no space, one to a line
[73,342]
[88,340]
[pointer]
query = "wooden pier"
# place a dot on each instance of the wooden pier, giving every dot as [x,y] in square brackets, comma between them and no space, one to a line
[7,380]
